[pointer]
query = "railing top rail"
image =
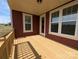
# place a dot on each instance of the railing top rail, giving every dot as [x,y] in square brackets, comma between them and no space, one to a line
[6,34]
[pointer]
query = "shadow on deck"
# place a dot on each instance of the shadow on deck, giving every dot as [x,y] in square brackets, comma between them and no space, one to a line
[25,51]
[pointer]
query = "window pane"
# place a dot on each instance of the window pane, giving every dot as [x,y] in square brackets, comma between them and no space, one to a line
[70,10]
[64,12]
[54,21]
[54,27]
[42,25]
[74,9]
[27,19]
[68,27]
[27,26]
[55,17]
[67,11]
[72,17]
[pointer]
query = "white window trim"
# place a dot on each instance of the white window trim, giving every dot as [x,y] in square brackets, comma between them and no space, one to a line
[44,15]
[60,22]
[24,23]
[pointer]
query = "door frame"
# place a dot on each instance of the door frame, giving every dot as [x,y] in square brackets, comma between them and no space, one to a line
[44,24]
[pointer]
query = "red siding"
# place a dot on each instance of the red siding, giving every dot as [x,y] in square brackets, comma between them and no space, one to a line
[18,28]
[18,24]
[65,41]
[47,23]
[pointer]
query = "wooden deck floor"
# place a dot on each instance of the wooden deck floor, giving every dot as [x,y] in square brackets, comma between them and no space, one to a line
[49,49]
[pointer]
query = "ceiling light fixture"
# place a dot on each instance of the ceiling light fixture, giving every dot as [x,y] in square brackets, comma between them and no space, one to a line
[39,1]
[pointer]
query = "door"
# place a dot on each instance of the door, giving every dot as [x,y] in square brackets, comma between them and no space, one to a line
[42,25]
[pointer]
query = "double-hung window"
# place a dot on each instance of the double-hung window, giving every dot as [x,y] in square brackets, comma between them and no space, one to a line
[27,21]
[54,21]
[69,20]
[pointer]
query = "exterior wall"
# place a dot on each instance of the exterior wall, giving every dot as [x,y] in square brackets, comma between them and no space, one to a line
[66,41]
[18,28]
[18,24]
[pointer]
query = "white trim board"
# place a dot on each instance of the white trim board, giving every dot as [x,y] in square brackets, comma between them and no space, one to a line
[24,23]
[44,24]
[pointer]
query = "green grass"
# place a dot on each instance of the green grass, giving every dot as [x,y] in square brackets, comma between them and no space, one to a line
[4,29]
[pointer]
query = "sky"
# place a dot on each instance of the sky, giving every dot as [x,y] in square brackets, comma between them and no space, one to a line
[4,12]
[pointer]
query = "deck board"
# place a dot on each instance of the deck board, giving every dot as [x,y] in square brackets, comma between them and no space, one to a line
[25,50]
[49,49]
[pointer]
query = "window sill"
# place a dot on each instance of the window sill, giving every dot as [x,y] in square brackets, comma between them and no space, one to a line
[27,31]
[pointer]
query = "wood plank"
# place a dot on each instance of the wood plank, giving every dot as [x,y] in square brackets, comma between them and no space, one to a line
[49,49]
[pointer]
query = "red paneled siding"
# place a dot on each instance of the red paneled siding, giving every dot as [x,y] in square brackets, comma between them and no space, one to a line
[47,23]
[18,24]
[65,41]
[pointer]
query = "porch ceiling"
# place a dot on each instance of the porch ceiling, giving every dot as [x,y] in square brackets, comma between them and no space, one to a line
[32,7]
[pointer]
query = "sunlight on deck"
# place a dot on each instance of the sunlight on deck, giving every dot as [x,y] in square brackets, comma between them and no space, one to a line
[48,49]
[25,51]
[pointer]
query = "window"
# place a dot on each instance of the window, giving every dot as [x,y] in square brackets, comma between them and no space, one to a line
[63,21]
[69,20]
[54,21]
[27,22]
